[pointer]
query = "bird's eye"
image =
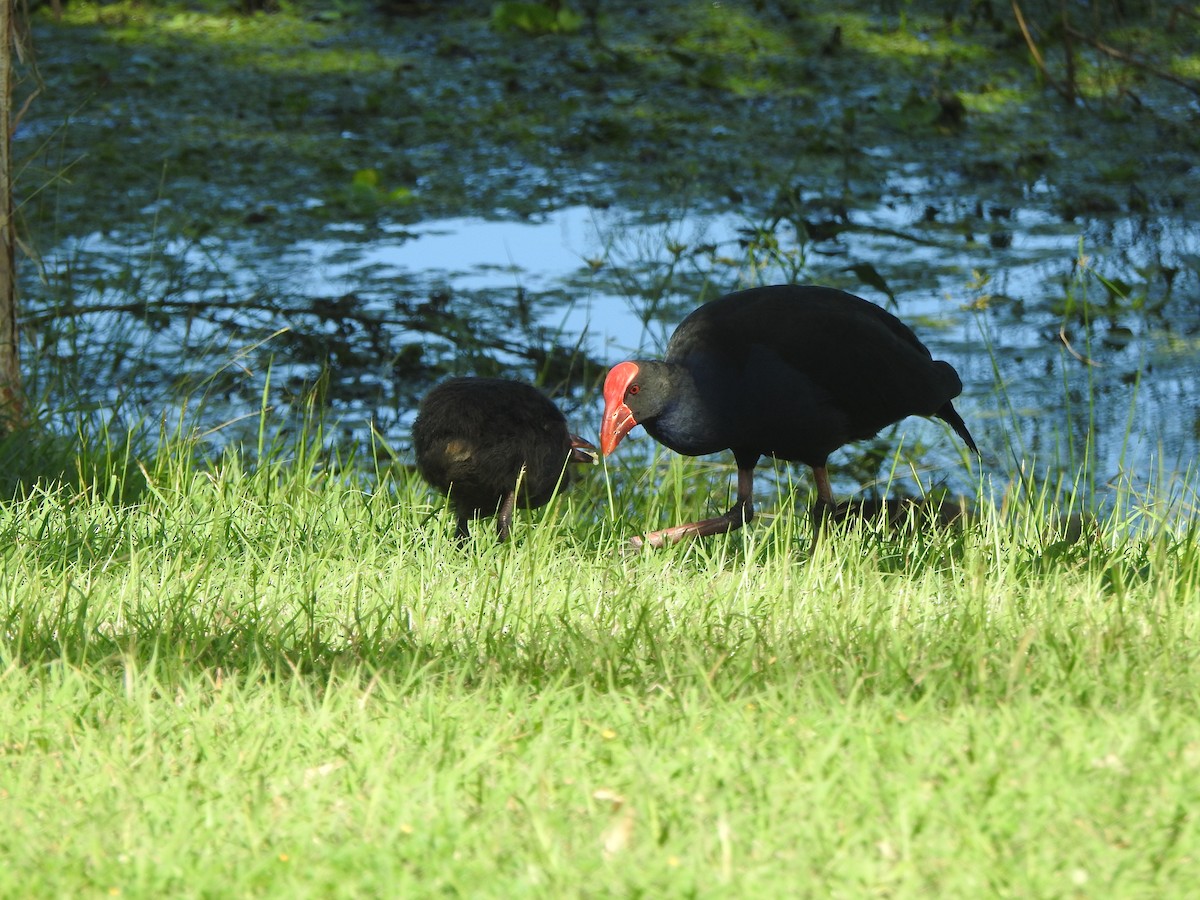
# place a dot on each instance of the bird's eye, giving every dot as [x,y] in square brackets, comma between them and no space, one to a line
[634,388]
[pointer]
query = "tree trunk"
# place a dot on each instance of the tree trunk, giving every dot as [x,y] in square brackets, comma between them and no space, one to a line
[12,405]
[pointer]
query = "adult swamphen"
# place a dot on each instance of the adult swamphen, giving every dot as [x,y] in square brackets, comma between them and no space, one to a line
[788,371]
[492,444]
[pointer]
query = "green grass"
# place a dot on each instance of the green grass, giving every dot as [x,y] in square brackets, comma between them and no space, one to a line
[283,681]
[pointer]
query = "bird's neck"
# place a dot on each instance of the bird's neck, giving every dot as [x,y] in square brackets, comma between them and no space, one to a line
[687,422]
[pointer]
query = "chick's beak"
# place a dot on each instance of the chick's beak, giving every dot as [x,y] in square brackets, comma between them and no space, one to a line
[583,451]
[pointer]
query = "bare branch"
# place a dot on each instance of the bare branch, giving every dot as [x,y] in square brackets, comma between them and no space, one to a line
[1067,93]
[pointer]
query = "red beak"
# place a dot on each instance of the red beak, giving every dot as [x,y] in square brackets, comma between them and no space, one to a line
[618,419]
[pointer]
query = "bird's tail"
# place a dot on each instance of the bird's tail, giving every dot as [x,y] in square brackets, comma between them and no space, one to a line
[950,415]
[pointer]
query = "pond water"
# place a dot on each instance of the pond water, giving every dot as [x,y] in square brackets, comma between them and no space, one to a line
[1039,387]
[232,208]
[1062,358]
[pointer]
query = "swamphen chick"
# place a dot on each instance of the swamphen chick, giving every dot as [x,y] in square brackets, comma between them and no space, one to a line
[492,444]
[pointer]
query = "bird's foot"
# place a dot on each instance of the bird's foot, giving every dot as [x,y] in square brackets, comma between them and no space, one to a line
[731,521]
[663,538]
[635,544]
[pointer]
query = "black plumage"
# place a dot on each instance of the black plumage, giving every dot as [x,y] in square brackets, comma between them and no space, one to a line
[788,371]
[491,444]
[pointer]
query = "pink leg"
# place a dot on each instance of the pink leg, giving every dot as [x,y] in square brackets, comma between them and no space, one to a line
[741,513]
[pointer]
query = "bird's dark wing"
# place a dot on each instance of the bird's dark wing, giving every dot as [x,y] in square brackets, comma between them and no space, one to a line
[839,344]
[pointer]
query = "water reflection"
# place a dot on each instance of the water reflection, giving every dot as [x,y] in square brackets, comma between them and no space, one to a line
[1072,339]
